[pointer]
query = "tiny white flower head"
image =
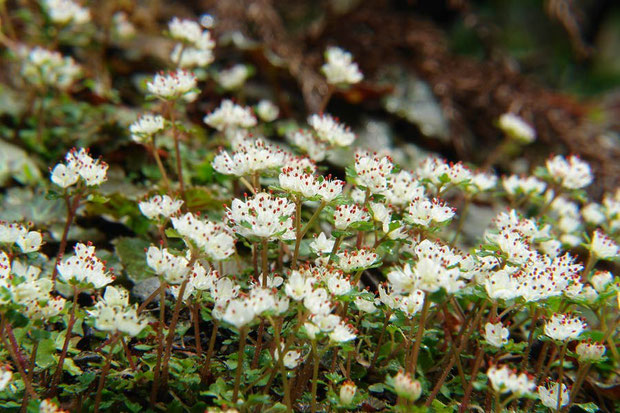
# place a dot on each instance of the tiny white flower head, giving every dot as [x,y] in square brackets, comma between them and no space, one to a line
[516,128]
[601,279]
[504,380]
[123,27]
[292,358]
[548,395]
[496,334]
[342,333]
[563,327]
[339,68]
[63,12]
[308,143]
[425,212]
[571,173]
[365,306]
[230,116]
[593,213]
[328,130]
[239,313]
[603,247]
[145,127]
[346,215]
[262,216]
[233,78]
[347,392]
[64,176]
[172,85]
[10,232]
[589,352]
[5,377]
[46,68]
[515,185]
[267,111]
[322,245]
[350,261]
[406,387]
[160,205]
[30,241]
[93,172]
[373,171]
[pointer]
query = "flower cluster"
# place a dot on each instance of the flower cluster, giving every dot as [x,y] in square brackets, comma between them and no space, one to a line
[339,68]
[172,85]
[84,269]
[79,164]
[113,313]
[45,68]
[196,47]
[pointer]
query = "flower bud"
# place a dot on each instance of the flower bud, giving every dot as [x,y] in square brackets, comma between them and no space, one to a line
[347,392]
[406,387]
[590,352]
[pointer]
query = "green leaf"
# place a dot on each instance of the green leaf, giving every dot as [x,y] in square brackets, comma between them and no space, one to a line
[132,257]
[376,388]
[588,407]
[45,353]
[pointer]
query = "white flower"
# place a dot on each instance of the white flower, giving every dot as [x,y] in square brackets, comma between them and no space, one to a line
[239,313]
[308,143]
[516,128]
[174,268]
[84,267]
[214,239]
[250,157]
[347,392]
[262,216]
[172,85]
[189,57]
[593,213]
[412,303]
[113,313]
[549,395]
[330,131]
[481,182]
[402,189]
[123,27]
[5,377]
[496,334]
[48,406]
[345,215]
[298,287]
[93,172]
[501,285]
[233,78]
[261,300]
[339,67]
[64,176]
[349,261]
[322,245]
[45,68]
[365,305]
[66,11]
[317,301]
[342,333]
[292,359]
[406,387]
[146,126]
[505,380]
[10,232]
[434,171]
[603,247]
[339,285]
[373,171]
[590,352]
[571,174]
[562,327]
[425,212]
[160,205]
[230,115]
[515,185]
[600,280]
[190,32]
[267,111]
[30,241]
